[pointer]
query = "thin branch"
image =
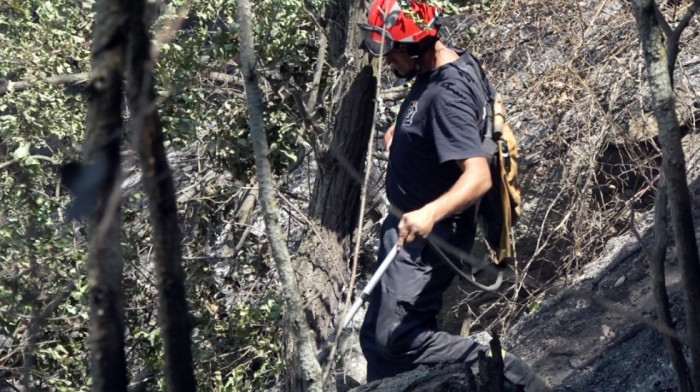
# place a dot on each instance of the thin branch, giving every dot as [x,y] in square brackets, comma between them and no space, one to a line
[310,370]
[8,163]
[37,157]
[320,62]
[8,86]
[312,132]
[656,258]
[689,14]
[674,167]
[675,36]
[662,21]
[159,186]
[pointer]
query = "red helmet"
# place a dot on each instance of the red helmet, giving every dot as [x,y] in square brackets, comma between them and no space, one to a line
[386,19]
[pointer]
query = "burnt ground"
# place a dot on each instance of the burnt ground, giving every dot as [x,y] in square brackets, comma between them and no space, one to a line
[574,75]
[581,346]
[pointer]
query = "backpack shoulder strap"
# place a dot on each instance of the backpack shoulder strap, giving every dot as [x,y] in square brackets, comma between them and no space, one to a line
[468,64]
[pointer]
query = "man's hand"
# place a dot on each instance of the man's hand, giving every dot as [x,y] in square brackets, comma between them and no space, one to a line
[473,183]
[389,137]
[416,225]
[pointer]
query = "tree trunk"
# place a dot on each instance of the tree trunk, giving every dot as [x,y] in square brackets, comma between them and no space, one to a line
[334,205]
[159,187]
[657,271]
[105,263]
[320,263]
[335,199]
[655,55]
[305,352]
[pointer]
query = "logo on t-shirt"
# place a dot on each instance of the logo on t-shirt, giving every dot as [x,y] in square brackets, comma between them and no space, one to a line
[410,112]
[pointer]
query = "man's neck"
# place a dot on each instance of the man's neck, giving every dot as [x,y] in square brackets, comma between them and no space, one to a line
[438,57]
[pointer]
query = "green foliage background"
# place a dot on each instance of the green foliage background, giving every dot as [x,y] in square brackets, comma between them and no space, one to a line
[43,303]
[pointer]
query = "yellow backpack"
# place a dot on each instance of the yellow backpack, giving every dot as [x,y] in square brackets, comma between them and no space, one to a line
[502,247]
[501,207]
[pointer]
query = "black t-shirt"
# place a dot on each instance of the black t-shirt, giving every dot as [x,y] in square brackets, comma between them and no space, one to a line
[439,122]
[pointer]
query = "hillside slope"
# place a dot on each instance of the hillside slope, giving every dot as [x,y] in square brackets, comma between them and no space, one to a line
[581,346]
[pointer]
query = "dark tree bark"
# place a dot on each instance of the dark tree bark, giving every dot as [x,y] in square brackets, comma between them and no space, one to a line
[656,54]
[160,189]
[105,263]
[335,199]
[657,260]
[336,196]
[321,265]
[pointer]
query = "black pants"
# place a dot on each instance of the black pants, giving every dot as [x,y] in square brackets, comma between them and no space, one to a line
[400,329]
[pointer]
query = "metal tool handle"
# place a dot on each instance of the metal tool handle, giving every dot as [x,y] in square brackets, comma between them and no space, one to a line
[370,285]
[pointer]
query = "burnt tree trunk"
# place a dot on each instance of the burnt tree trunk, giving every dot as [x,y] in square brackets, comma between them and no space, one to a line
[657,259]
[321,263]
[160,189]
[656,56]
[336,195]
[105,262]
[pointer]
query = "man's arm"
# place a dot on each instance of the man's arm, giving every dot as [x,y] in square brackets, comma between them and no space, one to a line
[474,182]
[389,137]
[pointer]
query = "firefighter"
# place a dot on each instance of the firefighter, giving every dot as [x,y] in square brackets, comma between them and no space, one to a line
[437,173]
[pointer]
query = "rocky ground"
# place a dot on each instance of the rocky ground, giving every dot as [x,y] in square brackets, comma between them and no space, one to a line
[581,346]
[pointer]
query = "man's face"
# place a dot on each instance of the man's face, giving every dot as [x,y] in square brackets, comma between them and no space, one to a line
[400,62]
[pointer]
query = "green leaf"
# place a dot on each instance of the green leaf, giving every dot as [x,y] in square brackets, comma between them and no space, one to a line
[8,118]
[22,151]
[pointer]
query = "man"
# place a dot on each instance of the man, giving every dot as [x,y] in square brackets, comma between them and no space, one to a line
[437,173]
